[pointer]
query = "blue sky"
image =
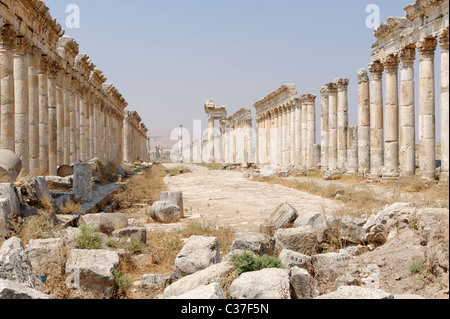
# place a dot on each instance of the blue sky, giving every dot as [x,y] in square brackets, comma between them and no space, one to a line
[167,56]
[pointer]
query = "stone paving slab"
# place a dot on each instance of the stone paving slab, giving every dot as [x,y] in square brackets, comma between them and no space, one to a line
[100,196]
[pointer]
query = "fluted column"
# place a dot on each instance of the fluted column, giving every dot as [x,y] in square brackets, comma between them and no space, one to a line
[363,122]
[298,134]
[444,42]
[77,122]
[72,117]
[304,131]
[376,120]
[34,59]
[310,100]
[283,135]
[407,149]
[352,150]
[332,126]
[342,119]
[21,99]
[324,113]
[427,119]
[67,118]
[279,144]
[292,132]
[52,123]
[60,117]
[7,130]
[391,127]
[83,127]
[211,139]
[43,119]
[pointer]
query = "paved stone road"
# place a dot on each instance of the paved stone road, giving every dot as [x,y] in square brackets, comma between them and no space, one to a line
[227,198]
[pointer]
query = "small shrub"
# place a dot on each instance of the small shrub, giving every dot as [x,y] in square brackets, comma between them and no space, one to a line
[416,266]
[72,209]
[123,283]
[90,238]
[247,261]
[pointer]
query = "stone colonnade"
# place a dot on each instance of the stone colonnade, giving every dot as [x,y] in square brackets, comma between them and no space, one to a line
[400,41]
[56,107]
[212,151]
[237,138]
[286,128]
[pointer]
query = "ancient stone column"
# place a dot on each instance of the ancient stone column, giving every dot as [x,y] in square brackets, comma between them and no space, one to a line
[43,118]
[82,181]
[72,123]
[444,41]
[332,126]
[324,114]
[21,99]
[268,137]
[248,135]
[304,131]
[274,137]
[77,122]
[67,115]
[283,134]
[391,127]
[352,151]
[280,136]
[376,120]
[7,131]
[60,117]
[52,123]
[407,149]
[310,100]
[263,139]
[211,139]
[292,132]
[34,59]
[427,119]
[363,122]
[342,120]
[83,126]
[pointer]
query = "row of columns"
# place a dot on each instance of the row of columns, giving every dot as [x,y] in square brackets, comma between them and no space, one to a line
[286,134]
[237,138]
[55,108]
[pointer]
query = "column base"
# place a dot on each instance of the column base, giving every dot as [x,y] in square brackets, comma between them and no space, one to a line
[374,177]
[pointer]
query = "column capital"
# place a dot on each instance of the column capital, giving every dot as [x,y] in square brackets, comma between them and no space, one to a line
[332,88]
[363,77]
[376,70]
[443,39]
[407,57]
[308,98]
[426,48]
[390,63]
[7,37]
[342,84]
[22,46]
[324,91]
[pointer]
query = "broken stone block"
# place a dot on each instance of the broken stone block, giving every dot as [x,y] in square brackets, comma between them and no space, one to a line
[9,206]
[211,291]
[291,259]
[284,216]
[354,292]
[257,243]
[134,233]
[155,281]
[35,190]
[10,166]
[64,170]
[45,256]
[176,198]
[304,240]
[106,221]
[82,181]
[303,285]
[165,212]
[197,254]
[15,290]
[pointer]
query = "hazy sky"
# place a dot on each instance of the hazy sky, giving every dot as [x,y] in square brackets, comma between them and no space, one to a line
[167,56]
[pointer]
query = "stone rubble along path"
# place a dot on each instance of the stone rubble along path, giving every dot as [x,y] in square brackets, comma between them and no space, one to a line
[226,198]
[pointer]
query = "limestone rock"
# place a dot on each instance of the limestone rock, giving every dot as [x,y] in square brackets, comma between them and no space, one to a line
[354,292]
[155,281]
[303,285]
[329,266]
[92,270]
[45,256]
[82,181]
[176,198]
[10,166]
[314,219]
[198,253]
[106,221]
[284,216]
[9,205]
[138,234]
[15,290]
[35,190]
[304,240]
[215,273]
[350,228]
[211,291]
[64,170]
[16,266]
[270,283]
[377,227]
[165,212]
[58,181]
[291,259]
[257,243]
